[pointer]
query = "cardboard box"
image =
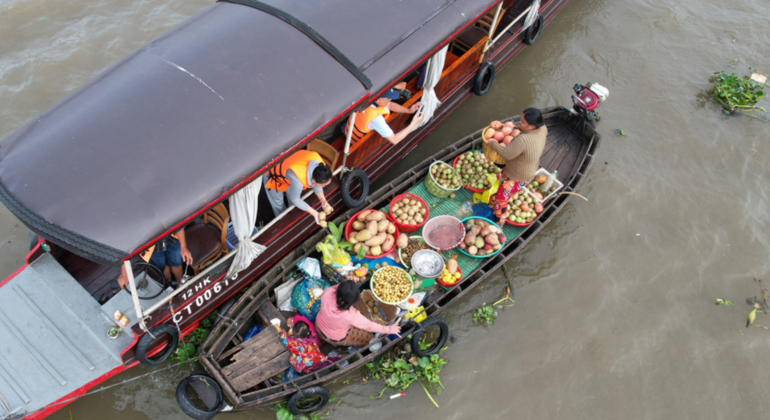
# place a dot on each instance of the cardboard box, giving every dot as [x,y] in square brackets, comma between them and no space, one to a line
[363,306]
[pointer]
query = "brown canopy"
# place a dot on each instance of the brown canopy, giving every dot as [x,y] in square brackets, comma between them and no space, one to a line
[183,121]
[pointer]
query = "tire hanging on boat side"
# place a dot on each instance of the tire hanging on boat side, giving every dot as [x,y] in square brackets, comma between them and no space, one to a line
[147,339]
[193,410]
[347,181]
[440,342]
[531,33]
[483,79]
[308,400]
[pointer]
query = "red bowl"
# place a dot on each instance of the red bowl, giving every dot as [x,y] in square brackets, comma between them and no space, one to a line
[403,227]
[349,229]
[471,189]
[447,285]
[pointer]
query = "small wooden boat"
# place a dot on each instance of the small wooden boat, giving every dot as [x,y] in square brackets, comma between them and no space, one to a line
[244,371]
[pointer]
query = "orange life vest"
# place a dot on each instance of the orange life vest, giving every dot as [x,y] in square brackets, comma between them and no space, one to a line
[298,164]
[363,118]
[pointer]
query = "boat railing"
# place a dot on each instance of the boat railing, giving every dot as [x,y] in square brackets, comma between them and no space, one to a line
[506,29]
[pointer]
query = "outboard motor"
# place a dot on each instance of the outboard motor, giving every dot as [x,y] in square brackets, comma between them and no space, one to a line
[587,98]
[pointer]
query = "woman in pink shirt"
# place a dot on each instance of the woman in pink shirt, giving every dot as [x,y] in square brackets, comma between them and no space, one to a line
[340,324]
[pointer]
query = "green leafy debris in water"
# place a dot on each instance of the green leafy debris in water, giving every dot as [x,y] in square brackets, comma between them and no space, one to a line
[621,132]
[737,94]
[724,302]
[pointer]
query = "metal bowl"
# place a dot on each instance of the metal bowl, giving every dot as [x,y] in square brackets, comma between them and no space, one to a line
[427,263]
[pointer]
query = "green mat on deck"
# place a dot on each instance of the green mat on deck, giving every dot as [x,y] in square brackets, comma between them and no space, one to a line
[450,206]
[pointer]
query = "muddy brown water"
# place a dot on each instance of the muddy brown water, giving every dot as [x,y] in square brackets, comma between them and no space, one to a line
[615,313]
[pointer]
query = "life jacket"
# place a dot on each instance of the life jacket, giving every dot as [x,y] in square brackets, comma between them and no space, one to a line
[363,119]
[298,163]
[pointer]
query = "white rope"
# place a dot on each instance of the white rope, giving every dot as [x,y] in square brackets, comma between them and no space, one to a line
[532,15]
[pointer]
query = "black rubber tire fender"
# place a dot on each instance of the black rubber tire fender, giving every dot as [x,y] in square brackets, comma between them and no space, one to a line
[531,33]
[313,391]
[188,407]
[428,322]
[347,181]
[148,338]
[223,311]
[483,79]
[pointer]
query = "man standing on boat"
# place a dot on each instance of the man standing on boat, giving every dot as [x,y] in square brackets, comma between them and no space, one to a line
[168,255]
[522,155]
[373,118]
[300,171]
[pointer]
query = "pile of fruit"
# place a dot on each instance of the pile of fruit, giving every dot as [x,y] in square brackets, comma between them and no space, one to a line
[473,168]
[445,176]
[408,247]
[523,208]
[501,132]
[391,284]
[374,232]
[451,273]
[409,211]
[539,183]
[482,238]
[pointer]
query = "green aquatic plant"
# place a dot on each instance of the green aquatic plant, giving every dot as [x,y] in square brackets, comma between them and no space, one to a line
[283,413]
[399,370]
[737,94]
[488,313]
[188,346]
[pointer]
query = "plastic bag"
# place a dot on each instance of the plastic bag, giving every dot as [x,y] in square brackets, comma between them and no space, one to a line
[311,267]
[487,195]
[332,253]
[306,297]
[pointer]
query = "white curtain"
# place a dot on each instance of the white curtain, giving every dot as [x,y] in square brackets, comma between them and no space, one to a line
[433,70]
[243,213]
[532,14]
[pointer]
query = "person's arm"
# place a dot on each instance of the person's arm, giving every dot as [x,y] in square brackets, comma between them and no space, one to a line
[510,152]
[394,107]
[361,322]
[186,255]
[294,193]
[396,138]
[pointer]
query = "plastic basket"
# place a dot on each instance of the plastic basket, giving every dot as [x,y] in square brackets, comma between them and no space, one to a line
[448,286]
[402,227]
[433,187]
[488,255]
[471,189]
[411,291]
[349,229]
[231,241]
[488,152]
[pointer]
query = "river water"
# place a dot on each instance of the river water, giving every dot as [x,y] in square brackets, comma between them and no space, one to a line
[615,311]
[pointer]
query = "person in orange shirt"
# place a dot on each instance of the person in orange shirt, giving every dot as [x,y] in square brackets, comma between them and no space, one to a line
[373,118]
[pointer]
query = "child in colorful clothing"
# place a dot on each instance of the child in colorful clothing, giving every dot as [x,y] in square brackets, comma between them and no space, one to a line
[499,203]
[303,344]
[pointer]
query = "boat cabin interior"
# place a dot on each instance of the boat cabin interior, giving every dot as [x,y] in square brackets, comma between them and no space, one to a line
[207,235]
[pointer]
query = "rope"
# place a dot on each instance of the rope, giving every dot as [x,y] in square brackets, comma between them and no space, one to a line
[64,402]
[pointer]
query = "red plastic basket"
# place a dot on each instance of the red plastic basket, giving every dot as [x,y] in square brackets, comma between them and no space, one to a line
[471,189]
[447,285]
[349,228]
[402,227]
[519,224]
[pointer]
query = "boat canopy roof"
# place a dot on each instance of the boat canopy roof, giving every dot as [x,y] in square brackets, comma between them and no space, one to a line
[192,116]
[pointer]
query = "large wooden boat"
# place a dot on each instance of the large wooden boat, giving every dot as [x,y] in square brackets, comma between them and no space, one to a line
[163,138]
[570,149]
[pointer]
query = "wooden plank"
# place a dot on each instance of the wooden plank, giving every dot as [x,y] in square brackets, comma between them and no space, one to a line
[255,342]
[266,353]
[262,372]
[268,311]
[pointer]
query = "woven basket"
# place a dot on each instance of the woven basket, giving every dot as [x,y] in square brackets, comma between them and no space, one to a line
[488,152]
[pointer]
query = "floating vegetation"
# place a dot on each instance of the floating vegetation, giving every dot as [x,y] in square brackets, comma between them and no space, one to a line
[738,94]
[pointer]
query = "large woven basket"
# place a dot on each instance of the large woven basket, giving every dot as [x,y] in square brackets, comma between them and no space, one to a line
[488,152]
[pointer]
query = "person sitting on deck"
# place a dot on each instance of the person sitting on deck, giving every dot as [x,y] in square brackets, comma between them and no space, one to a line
[303,344]
[340,324]
[299,171]
[522,155]
[168,255]
[373,118]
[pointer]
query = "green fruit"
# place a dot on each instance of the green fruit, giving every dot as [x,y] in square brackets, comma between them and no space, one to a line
[535,184]
[528,200]
[519,220]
